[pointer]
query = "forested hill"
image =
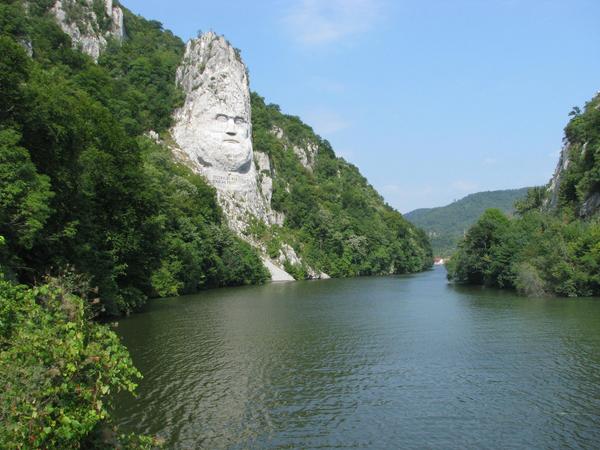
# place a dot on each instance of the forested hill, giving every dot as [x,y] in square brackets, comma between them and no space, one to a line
[85,190]
[334,218]
[96,216]
[446,225]
[552,245]
[82,188]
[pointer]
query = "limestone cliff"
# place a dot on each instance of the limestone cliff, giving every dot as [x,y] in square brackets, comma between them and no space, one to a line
[213,135]
[89,23]
[569,155]
[559,172]
[575,182]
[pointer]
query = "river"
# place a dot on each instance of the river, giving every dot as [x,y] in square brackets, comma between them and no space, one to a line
[378,362]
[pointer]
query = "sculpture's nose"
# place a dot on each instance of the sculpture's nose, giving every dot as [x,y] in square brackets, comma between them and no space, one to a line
[230,128]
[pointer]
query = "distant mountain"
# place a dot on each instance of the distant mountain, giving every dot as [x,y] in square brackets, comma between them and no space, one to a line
[446,225]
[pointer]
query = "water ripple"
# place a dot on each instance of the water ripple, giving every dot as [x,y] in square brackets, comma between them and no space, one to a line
[366,363]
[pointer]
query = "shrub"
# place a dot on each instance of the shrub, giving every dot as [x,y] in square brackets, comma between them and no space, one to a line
[58,369]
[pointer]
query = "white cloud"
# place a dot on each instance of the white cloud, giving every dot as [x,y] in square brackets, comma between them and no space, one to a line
[327,85]
[324,21]
[490,161]
[463,186]
[407,198]
[326,122]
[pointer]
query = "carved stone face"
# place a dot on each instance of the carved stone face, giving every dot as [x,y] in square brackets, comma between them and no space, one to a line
[223,133]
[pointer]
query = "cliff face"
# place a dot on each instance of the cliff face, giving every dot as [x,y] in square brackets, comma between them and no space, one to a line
[559,174]
[213,128]
[572,155]
[576,180]
[89,23]
[213,135]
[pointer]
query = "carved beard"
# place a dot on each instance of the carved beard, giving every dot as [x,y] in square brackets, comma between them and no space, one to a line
[228,157]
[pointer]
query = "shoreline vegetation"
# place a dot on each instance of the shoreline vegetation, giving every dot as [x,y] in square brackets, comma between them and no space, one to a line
[446,225]
[552,246]
[96,217]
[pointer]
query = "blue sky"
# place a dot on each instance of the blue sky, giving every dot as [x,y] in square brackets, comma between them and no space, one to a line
[431,99]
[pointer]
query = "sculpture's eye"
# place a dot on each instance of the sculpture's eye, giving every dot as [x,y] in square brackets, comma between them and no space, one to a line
[239,120]
[221,118]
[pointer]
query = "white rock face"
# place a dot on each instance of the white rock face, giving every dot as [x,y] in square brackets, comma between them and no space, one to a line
[213,136]
[277,273]
[561,167]
[287,253]
[85,29]
[213,128]
[591,205]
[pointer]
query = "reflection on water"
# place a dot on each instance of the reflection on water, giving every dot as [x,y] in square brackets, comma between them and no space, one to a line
[405,362]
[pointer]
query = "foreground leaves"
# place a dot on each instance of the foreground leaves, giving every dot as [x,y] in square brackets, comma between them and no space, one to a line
[58,370]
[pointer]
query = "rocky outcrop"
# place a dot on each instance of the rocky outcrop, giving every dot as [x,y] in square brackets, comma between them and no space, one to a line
[306,153]
[591,204]
[559,172]
[213,129]
[89,23]
[213,136]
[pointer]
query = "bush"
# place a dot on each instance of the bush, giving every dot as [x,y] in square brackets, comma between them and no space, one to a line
[538,254]
[528,281]
[58,370]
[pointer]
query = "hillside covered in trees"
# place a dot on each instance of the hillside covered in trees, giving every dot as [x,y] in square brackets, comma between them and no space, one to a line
[96,217]
[446,225]
[334,217]
[86,188]
[553,246]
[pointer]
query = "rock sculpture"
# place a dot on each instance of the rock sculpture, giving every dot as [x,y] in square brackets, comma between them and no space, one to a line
[213,127]
[213,135]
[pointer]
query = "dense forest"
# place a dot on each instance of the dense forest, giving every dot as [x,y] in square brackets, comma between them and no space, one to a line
[550,248]
[82,187]
[96,217]
[446,225]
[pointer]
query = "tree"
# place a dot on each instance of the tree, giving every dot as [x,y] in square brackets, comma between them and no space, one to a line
[24,197]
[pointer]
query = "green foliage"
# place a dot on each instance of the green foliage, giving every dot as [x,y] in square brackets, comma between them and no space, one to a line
[141,71]
[476,261]
[334,219]
[544,252]
[81,187]
[581,179]
[24,194]
[533,201]
[447,225]
[538,254]
[58,369]
[14,71]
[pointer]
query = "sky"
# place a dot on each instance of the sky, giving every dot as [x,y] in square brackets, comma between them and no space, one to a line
[431,99]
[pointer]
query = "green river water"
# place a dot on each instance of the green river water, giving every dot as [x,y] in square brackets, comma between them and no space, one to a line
[380,362]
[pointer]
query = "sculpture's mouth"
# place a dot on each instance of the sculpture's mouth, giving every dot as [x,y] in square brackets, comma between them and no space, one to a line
[231,141]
